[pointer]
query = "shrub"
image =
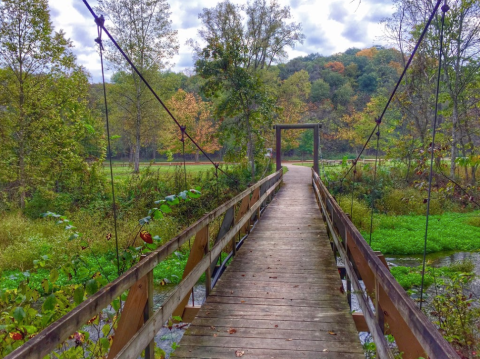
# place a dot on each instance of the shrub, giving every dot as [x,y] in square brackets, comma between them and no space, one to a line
[360,212]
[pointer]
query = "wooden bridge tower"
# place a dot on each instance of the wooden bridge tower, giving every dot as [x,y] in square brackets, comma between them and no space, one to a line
[302,126]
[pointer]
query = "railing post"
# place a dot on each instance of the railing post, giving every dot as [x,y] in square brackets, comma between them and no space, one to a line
[278,149]
[208,272]
[150,349]
[349,280]
[379,315]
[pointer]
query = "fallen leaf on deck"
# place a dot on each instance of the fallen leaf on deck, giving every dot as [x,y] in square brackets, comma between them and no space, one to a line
[325,350]
[232,331]
[239,353]
[212,327]
[276,326]
[332,333]
[242,301]
[214,335]
[273,277]
[288,340]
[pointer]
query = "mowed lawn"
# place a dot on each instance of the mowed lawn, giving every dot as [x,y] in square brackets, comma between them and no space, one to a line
[122,172]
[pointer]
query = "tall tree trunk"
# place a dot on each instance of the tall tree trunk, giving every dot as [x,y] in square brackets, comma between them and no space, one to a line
[21,174]
[131,154]
[21,144]
[453,155]
[136,158]
[250,149]
[197,155]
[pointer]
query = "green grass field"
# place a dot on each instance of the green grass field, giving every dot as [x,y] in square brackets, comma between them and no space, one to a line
[122,172]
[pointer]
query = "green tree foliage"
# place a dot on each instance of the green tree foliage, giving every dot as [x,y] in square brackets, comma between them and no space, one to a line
[242,43]
[292,100]
[320,91]
[367,83]
[461,62]
[49,141]
[144,31]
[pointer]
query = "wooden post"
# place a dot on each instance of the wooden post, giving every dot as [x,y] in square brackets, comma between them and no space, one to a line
[150,349]
[208,272]
[196,254]
[278,132]
[132,317]
[379,315]
[316,140]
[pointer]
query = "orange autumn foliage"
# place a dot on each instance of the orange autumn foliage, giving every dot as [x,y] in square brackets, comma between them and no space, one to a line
[370,53]
[195,115]
[335,66]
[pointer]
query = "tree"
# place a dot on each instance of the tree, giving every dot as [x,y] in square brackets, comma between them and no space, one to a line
[320,91]
[335,66]
[195,115]
[144,31]
[367,83]
[369,53]
[343,96]
[47,129]
[292,99]
[241,43]
[461,57]
[461,60]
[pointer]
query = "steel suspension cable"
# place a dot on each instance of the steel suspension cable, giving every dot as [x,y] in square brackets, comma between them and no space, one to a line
[407,65]
[125,56]
[372,198]
[445,8]
[98,40]
[353,186]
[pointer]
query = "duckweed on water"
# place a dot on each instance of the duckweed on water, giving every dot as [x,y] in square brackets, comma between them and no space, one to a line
[406,234]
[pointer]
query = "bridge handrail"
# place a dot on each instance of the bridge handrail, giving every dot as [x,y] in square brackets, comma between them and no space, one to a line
[47,340]
[386,290]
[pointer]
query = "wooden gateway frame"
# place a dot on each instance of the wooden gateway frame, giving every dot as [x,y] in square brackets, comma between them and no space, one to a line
[316,140]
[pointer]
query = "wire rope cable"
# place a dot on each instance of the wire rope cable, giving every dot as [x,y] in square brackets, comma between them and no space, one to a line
[445,8]
[407,65]
[372,198]
[157,97]
[100,21]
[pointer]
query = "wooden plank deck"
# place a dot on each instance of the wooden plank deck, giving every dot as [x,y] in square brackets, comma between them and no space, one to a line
[280,297]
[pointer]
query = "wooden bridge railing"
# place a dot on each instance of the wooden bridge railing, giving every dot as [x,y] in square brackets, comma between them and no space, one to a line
[385,305]
[138,323]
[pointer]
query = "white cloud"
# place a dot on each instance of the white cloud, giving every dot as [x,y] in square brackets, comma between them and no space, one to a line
[330,26]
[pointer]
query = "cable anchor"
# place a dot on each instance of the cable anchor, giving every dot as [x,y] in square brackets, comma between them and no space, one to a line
[100,21]
[183,129]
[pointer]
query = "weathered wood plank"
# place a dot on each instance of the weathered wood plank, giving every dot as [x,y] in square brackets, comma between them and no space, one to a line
[265,343]
[204,352]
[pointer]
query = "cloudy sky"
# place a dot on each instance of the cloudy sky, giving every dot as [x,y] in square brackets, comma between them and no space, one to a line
[330,26]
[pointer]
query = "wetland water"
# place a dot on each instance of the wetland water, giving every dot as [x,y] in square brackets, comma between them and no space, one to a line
[440,259]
